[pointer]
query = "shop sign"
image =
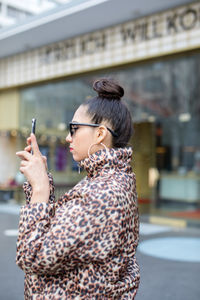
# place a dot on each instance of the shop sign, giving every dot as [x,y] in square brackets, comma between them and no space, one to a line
[146,29]
[174,23]
[72,48]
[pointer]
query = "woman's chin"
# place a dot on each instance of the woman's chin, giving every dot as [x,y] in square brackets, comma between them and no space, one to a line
[76,157]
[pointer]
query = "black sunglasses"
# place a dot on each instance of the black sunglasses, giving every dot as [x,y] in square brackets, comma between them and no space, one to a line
[73,126]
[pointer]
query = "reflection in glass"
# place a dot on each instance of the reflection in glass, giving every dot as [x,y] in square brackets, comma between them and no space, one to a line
[163,97]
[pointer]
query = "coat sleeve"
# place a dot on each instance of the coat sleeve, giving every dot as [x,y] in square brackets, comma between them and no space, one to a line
[80,231]
[28,190]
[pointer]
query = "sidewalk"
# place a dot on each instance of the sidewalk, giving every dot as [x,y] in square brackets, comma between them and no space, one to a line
[169,259]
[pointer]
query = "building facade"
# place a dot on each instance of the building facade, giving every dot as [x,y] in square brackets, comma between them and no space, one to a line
[156,58]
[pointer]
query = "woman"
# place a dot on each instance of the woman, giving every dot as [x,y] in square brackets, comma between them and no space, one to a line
[83,246]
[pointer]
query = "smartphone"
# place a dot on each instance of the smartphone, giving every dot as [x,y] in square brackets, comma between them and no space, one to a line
[33,129]
[33,126]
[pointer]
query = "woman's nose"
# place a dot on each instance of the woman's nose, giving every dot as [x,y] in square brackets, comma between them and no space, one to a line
[69,138]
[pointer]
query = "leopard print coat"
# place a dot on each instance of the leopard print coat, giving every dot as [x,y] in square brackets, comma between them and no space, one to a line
[83,246]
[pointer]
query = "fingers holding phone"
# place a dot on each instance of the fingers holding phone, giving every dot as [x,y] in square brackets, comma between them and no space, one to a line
[28,148]
[33,164]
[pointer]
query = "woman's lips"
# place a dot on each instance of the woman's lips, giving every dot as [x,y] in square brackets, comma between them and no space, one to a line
[71,149]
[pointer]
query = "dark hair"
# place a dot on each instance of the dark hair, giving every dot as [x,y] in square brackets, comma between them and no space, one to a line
[107,106]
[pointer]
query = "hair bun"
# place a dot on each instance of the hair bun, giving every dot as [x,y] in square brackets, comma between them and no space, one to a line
[108,89]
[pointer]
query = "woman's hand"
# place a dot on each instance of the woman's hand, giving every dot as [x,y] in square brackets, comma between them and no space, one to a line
[29,148]
[33,166]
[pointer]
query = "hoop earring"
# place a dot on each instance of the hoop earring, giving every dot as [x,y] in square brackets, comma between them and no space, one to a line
[90,155]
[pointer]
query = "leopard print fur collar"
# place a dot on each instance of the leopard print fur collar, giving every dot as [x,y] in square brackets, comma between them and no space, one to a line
[107,159]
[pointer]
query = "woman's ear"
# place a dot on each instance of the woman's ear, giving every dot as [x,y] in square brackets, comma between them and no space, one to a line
[101,133]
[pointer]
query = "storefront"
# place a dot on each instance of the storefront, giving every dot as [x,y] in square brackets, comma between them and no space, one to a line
[163,98]
[157,61]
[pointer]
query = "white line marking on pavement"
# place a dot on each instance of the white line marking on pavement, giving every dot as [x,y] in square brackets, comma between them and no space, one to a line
[146,229]
[172,248]
[11,232]
[12,209]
